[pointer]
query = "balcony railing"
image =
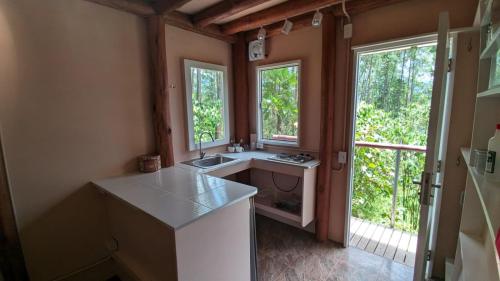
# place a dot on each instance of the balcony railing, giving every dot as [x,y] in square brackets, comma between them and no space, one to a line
[407,160]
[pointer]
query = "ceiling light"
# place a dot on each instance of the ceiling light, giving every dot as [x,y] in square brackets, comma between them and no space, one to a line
[287,27]
[318,17]
[262,34]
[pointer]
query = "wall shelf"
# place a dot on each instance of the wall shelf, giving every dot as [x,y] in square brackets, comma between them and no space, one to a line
[489,195]
[490,93]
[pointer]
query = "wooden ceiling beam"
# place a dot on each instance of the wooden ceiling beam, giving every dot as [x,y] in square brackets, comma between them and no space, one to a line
[223,10]
[361,6]
[289,9]
[137,7]
[165,6]
[183,21]
[274,29]
[305,20]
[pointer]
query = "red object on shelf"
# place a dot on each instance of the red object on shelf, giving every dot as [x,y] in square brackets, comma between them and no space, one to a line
[498,241]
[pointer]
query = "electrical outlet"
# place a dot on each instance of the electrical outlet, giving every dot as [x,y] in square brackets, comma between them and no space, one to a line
[342,157]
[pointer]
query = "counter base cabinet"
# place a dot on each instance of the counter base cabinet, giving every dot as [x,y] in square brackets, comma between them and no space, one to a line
[215,247]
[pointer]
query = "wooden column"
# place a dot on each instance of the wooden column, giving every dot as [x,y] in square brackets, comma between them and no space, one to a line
[326,137]
[241,97]
[161,105]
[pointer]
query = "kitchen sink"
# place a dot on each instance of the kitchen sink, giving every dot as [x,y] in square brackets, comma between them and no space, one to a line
[208,162]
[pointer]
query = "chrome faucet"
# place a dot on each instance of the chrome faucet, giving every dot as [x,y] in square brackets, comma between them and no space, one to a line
[202,154]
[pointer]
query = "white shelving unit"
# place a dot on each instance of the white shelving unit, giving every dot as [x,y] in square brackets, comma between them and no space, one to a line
[476,257]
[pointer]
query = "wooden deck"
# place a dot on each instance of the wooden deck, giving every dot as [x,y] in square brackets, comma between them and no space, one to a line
[383,241]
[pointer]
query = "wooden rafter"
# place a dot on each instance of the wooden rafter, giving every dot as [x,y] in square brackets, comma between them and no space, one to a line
[223,10]
[181,20]
[276,13]
[137,7]
[274,29]
[354,7]
[165,6]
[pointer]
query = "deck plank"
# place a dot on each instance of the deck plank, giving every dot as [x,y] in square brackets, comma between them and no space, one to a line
[365,239]
[355,223]
[402,247]
[383,242]
[377,235]
[393,244]
[359,233]
[412,250]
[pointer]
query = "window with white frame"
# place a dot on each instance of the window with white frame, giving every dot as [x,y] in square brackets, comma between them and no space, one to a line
[207,104]
[278,103]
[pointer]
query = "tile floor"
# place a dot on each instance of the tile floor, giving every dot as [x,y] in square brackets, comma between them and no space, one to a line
[288,253]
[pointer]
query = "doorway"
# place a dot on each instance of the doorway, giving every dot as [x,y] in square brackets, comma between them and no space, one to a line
[393,93]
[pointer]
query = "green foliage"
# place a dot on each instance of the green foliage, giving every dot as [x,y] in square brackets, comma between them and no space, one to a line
[280,110]
[208,103]
[394,90]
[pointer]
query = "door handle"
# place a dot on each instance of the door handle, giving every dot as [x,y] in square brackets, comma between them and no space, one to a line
[417,182]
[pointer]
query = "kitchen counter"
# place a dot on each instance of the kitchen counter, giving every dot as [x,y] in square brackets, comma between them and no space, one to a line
[176,196]
[248,156]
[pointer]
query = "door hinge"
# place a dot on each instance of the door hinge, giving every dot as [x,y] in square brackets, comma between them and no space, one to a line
[428,255]
[450,64]
[438,168]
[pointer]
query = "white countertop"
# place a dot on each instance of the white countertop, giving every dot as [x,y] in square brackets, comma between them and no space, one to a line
[248,156]
[180,195]
[176,196]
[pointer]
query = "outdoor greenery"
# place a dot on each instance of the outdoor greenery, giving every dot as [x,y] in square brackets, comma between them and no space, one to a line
[394,90]
[208,103]
[280,102]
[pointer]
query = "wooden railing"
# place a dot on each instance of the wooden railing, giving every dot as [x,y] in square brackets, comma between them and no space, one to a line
[398,148]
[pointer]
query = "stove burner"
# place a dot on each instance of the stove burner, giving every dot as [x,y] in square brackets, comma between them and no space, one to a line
[297,158]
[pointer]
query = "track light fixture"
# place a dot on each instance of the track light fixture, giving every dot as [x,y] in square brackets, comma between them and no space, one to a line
[287,27]
[262,34]
[317,18]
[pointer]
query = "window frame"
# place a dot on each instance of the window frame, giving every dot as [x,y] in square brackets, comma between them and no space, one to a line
[188,64]
[259,126]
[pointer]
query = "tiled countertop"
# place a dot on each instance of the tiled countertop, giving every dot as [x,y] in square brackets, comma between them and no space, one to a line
[180,195]
[176,196]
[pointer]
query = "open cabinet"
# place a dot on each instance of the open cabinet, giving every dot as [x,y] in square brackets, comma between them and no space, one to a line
[476,256]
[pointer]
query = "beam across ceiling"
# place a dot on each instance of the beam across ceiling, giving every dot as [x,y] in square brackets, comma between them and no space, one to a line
[353,7]
[223,10]
[164,6]
[277,13]
[274,29]
[137,7]
[181,20]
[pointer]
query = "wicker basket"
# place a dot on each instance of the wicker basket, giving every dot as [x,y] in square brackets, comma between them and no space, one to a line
[149,163]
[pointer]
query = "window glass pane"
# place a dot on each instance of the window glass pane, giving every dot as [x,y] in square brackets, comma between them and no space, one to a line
[207,96]
[496,75]
[279,88]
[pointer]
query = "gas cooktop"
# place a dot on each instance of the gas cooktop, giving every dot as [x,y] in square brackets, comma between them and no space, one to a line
[292,158]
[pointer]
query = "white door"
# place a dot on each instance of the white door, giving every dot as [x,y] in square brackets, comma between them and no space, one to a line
[436,147]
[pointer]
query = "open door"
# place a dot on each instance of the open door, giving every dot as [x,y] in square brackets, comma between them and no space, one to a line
[431,177]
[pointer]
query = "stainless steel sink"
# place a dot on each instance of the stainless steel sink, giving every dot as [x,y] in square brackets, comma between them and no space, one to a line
[208,162]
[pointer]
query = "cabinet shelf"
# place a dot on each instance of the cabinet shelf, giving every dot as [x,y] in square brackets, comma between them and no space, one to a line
[474,254]
[489,195]
[490,93]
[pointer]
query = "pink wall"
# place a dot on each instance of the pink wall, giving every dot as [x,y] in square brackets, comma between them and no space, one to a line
[74,106]
[182,44]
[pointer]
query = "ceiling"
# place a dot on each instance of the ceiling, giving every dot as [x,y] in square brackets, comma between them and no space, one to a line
[196,6]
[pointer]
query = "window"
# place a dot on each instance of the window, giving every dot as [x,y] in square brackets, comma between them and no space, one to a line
[207,103]
[278,88]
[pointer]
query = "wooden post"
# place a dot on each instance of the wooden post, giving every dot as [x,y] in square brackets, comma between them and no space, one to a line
[161,105]
[241,97]
[326,137]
